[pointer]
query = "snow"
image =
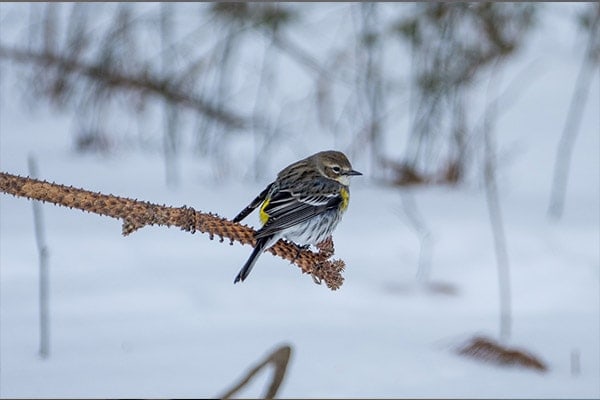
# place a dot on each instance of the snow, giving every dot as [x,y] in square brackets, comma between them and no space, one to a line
[156,314]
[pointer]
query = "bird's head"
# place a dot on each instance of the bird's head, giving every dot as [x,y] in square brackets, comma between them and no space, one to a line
[335,165]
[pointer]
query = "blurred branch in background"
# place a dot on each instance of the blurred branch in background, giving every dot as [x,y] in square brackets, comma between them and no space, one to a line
[490,167]
[112,79]
[105,70]
[423,233]
[44,278]
[224,68]
[136,214]
[452,44]
[590,23]
[279,358]
[170,110]
[369,85]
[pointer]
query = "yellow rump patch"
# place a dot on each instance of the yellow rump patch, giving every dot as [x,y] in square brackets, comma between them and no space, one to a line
[264,217]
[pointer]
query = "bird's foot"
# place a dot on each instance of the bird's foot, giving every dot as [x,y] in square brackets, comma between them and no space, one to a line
[300,250]
[326,248]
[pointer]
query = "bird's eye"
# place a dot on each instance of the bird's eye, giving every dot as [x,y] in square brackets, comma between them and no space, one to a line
[336,169]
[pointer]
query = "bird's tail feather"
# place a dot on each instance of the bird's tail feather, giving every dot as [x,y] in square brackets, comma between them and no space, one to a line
[261,244]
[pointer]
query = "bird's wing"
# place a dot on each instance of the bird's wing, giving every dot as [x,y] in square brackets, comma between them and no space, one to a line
[255,203]
[287,208]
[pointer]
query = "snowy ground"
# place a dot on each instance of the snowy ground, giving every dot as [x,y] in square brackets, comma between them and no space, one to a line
[156,314]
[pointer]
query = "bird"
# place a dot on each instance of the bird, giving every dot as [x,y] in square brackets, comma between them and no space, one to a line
[304,204]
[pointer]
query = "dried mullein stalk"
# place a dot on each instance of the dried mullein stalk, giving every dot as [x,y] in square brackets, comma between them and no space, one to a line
[136,214]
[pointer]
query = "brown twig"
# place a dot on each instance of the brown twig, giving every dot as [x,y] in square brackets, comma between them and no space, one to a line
[280,359]
[137,214]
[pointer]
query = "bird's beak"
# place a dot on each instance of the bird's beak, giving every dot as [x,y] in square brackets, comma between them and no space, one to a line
[353,172]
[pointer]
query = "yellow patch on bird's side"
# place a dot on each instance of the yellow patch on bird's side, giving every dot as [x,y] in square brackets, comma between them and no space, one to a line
[345,199]
[264,217]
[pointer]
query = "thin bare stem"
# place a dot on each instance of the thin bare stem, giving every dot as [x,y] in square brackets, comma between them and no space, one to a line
[280,359]
[417,223]
[566,144]
[40,240]
[495,214]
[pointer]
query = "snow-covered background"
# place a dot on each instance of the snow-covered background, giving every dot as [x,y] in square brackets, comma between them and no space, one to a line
[156,314]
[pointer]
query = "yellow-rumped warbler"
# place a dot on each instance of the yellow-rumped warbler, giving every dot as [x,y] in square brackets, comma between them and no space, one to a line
[303,205]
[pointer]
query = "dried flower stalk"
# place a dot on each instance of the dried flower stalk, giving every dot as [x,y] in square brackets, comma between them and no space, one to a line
[486,349]
[137,214]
